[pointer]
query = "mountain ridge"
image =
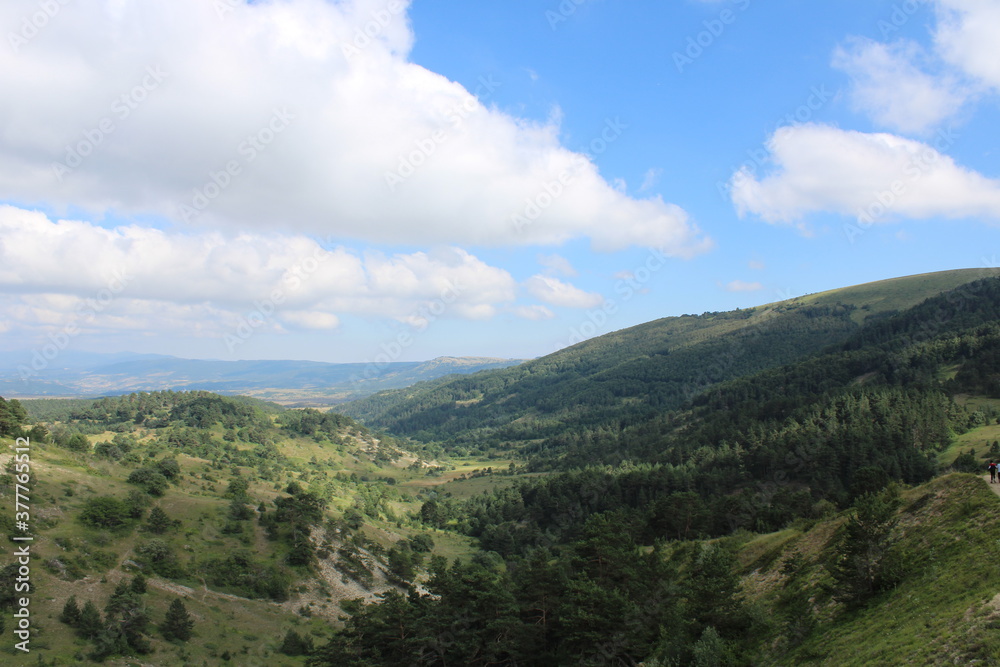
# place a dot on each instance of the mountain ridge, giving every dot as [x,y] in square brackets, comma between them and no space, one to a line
[655,366]
[289,381]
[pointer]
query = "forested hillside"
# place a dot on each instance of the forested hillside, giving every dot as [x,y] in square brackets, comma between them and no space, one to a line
[788,445]
[633,375]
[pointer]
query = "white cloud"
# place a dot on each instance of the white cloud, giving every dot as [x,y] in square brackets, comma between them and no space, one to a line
[821,168]
[557,265]
[149,279]
[743,286]
[893,90]
[650,179]
[535,312]
[557,293]
[311,121]
[967,35]
[756,265]
[310,319]
[907,88]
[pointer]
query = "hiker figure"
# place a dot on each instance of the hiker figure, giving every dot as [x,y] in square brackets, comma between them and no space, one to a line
[992,467]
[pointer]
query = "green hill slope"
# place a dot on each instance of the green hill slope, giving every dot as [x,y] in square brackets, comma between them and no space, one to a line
[259,519]
[944,611]
[631,374]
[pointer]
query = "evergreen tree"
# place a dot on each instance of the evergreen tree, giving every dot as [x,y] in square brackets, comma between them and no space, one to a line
[158,521]
[713,595]
[869,562]
[295,644]
[70,613]
[126,620]
[178,624]
[138,584]
[90,624]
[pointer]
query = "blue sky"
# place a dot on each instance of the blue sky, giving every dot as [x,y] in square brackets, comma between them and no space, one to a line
[380,180]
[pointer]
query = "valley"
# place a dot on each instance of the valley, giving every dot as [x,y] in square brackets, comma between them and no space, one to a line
[795,483]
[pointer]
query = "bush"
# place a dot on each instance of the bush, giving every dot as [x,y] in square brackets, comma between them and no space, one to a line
[240,572]
[104,512]
[295,644]
[967,462]
[169,468]
[152,481]
[160,558]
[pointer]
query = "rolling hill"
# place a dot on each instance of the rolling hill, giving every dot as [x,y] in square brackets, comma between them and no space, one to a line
[636,373]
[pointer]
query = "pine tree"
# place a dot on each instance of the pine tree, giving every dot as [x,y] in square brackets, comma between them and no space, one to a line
[158,521]
[138,585]
[90,624]
[178,624]
[869,562]
[126,620]
[71,612]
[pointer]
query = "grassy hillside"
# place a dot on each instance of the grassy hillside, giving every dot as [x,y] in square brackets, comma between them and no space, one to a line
[236,466]
[632,374]
[945,611]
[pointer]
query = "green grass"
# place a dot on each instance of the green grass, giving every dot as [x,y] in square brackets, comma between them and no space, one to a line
[249,630]
[898,293]
[944,612]
[980,439]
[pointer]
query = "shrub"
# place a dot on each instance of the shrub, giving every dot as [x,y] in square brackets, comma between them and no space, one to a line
[104,512]
[152,481]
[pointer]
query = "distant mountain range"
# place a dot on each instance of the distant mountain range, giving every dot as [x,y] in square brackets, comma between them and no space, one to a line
[290,382]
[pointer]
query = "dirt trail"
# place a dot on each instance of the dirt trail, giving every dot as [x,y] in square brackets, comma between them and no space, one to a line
[995,488]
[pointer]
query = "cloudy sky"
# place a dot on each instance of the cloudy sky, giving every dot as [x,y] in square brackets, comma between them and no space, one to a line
[346,180]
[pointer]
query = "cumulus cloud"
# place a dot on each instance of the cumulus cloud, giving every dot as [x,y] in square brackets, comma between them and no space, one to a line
[138,278]
[299,114]
[818,168]
[557,293]
[967,35]
[908,88]
[889,85]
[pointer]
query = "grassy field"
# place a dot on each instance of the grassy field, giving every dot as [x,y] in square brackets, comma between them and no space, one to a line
[979,439]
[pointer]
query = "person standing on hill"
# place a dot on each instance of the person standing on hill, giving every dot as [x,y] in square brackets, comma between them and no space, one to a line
[992,467]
